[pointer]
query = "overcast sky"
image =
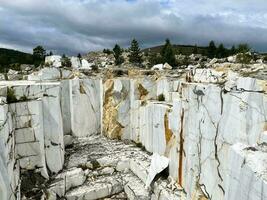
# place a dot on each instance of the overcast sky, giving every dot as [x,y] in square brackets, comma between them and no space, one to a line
[73,26]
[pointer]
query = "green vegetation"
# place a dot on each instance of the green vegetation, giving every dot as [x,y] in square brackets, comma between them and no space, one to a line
[244,58]
[243,48]
[117,52]
[167,54]
[135,55]
[161,97]
[154,58]
[11,97]
[38,55]
[8,57]
[65,61]
[107,51]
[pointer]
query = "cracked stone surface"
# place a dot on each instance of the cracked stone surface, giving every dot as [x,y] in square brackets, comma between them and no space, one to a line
[55,132]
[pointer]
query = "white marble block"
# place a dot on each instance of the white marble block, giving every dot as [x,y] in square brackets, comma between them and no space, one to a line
[85,106]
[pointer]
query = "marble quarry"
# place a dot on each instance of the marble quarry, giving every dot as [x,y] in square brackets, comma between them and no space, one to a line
[67,135]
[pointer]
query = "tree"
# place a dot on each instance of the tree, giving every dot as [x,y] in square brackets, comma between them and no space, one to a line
[107,51]
[154,59]
[117,52]
[135,55]
[38,55]
[212,49]
[221,51]
[39,52]
[79,56]
[243,48]
[65,61]
[233,50]
[167,53]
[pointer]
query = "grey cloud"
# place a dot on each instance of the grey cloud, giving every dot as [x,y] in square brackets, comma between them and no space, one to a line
[72,26]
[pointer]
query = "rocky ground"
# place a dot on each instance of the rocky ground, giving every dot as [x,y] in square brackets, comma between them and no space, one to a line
[100,168]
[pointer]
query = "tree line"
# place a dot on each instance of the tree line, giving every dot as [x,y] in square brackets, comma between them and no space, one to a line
[222,52]
[167,53]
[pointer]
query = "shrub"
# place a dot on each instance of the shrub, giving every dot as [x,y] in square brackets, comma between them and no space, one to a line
[11,97]
[65,61]
[244,58]
[161,97]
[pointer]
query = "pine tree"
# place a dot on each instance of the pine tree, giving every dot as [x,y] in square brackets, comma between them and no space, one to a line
[221,51]
[212,49]
[168,54]
[233,50]
[243,48]
[38,55]
[135,55]
[117,52]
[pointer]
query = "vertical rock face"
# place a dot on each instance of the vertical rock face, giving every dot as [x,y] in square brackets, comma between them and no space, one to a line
[85,106]
[194,127]
[9,166]
[246,178]
[29,135]
[195,123]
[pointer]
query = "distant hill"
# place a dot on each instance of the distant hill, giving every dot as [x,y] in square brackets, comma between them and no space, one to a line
[9,56]
[180,49]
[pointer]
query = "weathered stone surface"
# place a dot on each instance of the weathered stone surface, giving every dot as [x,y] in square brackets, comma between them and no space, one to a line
[45,74]
[75,62]
[86,106]
[67,180]
[54,60]
[96,190]
[157,165]
[86,64]
[247,172]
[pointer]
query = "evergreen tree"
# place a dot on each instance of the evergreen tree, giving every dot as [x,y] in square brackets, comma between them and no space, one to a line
[243,48]
[168,54]
[221,51]
[233,50]
[212,49]
[38,55]
[117,52]
[65,61]
[39,52]
[135,53]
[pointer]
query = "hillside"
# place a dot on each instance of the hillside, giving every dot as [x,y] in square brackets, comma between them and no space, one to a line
[182,49]
[9,56]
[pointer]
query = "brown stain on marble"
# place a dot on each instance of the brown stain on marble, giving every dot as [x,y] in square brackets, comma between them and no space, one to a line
[169,136]
[142,91]
[168,132]
[112,128]
[265,126]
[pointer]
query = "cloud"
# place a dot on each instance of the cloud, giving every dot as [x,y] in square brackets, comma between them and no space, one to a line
[72,26]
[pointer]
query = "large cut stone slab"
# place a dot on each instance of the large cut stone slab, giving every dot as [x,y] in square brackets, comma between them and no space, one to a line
[86,106]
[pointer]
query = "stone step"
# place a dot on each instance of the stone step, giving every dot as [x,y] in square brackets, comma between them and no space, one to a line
[135,188]
[100,188]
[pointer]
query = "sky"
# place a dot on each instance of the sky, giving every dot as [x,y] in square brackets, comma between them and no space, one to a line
[79,26]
